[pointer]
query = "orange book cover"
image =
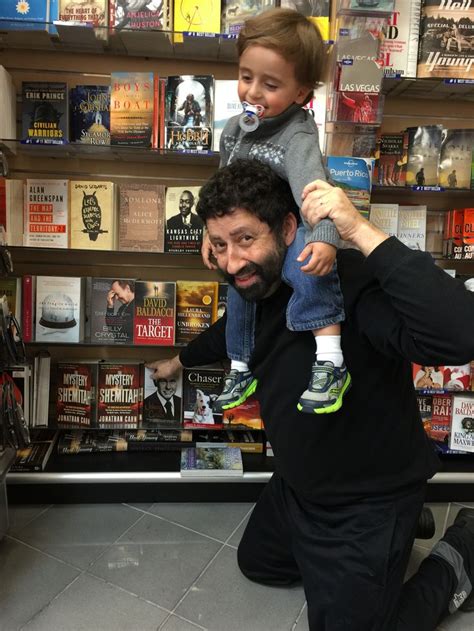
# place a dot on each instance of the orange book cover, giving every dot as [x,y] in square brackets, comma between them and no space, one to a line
[468,234]
[131,109]
[245,416]
[457,223]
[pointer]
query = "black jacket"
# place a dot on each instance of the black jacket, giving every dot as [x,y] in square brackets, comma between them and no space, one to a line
[399,308]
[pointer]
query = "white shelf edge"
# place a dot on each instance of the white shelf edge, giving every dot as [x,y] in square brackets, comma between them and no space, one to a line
[131,477]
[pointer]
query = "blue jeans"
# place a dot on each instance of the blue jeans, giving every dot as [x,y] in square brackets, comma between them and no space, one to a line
[316,302]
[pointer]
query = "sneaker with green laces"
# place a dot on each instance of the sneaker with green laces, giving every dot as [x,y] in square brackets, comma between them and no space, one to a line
[238,386]
[326,389]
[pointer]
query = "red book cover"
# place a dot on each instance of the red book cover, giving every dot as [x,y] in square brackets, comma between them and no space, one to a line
[3,202]
[156,118]
[120,395]
[155,310]
[468,234]
[246,415]
[27,307]
[441,410]
[75,394]
[457,225]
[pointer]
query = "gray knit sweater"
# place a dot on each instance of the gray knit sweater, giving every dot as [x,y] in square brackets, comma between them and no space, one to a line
[288,143]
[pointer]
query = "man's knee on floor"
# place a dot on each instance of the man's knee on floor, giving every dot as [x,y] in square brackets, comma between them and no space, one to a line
[267,573]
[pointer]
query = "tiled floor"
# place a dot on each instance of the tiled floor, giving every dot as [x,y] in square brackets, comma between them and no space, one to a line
[167,567]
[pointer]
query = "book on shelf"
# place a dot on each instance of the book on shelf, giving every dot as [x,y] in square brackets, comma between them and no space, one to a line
[425,404]
[132,15]
[184,228]
[226,105]
[60,302]
[244,416]
[46,213]
[399,49]
[453,234]
[92,12]
[222,299]
[468,234]
[201,387]
[92,224]
[141,217]
[14,211]
[385,217]
[391,159]
[196,308]
[37,15]
[110,304]
[457,378]
[28,307]
[412,226]
[352,141]
[462,428]
[235,13]
[427,377]
[317,12]
[162,401]
[132,108]
[22,377]
[211,461]
[7,105]
[44,113]
[188,112]
[197,16]
[247,441]
[41,384]
[366,7]
[78,441]
[424,145]
[120,395]
[354,176]
[35,456]
[10,287]
[76,388]
[361,108]
[446,40]
[90,114]
[316,107]
[441,420]
[154,313]
[434,232]
[455,158]
[159,439]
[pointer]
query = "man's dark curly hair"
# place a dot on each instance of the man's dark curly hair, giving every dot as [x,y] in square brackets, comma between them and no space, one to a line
[251,185]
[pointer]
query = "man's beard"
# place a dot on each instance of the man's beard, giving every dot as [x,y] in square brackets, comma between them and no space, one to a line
[268,273]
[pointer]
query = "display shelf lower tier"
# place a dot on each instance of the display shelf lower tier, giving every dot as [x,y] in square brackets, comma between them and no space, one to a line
[154,477]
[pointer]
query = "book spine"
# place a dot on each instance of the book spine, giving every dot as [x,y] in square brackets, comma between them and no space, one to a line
[27,308]
[156,118]
[413,38]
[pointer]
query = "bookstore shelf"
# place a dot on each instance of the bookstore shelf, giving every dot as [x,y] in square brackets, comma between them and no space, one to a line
[433,89]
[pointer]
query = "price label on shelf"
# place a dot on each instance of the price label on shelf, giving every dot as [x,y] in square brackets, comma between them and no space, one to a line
[459,81]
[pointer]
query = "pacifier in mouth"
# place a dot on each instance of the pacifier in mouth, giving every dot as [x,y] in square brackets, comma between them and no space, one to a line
[250,118]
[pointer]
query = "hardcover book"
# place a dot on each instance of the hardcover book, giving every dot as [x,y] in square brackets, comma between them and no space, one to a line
[59,309]
[462,429]
[138,14]
[92,215]
[366,7]
[46,213]
[34,458]
[446,33]
[441,418]
[189,112]
[412,226]
[201,387]
[7,105]
[247,441]
[211,461]
[90,114]
[141,217]
[354,176]
[391,157]
[79,441]
[234,13]
[468,234]
[222,299]
[244,416]
[13,217]
[29,16]
[154,314]
[424,145]
[385,217]
[196,308]
[457,378]
[227,104]
[10,287]
[184,228]
[399,50]
[120,395]
[455,158]
[429,378]
[162,404]
[91,12]
[316,11]
[110,308]
[159,439]
[28,308]
[425,403]
[44,115]
[197,16]
[76,394]
[132,109]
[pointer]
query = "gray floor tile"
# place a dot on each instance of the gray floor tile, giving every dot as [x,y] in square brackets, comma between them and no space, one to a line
[28,581]
[174,623]
[19,515]
[459,621]
[247,606]
[302,623]
[145,506]
[89,603]
[162,560]
[237,536]
[78,533]
[213,519]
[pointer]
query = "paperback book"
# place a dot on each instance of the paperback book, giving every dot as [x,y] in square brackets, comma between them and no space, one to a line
[35,15]
[44,117]
[391,157]
[110,308]
[244,416]
[154,314]
[399,49]
[197,16]
[90,114]
[441,419]
[90,12]
[196,308]
[76,387]
[59,309]
[92,215]
[462,430]
[159,439]
[162,404]
[201,387]
[184,228]
[46,213]
[211,461]
[354,176]
[141,217]
[92,441]
[247,441]
[385,217]
[120,395]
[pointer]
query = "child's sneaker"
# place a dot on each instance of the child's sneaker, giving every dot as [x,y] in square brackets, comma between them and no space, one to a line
[238,386]
[325,391]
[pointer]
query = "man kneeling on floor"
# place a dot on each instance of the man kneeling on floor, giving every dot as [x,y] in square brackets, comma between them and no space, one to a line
[341,511]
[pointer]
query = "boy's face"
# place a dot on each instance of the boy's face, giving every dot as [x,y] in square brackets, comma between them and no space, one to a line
[266,79]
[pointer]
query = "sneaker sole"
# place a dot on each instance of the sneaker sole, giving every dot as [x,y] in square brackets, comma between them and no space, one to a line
[334,407]
[250,389]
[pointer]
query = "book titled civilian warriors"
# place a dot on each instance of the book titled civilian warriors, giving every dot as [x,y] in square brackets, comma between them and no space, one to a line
[44,113]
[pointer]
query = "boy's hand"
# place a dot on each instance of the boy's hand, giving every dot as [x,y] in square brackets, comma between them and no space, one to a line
[322,258]
[165,368]
[207,253]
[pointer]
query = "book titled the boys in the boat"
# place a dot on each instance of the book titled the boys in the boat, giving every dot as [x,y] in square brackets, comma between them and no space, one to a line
[92,215]
[189,112]
[44,117]
[154,315]
[89,108]
[141,217]
[132,108]
[46,213]
[120,395]
[110,317]
[196,308]
[76,394]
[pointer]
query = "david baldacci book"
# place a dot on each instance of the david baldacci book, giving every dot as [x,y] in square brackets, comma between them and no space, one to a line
[76,387]
[59,309]
[154,315]
[90,114]
[132,109]
[189,112]
[215,460]
[120,395]
[184,228]
[162,401]
[46,213]
[44,114]
[196,308]
[462,427]
[110,307]
[92,215]
[141,217]
[201,387]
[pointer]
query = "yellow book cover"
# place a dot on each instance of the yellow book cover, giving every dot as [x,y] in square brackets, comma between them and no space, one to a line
[198,16]
[92,215]
[196,308]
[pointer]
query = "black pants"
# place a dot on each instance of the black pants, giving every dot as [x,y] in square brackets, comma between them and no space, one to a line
[351,559]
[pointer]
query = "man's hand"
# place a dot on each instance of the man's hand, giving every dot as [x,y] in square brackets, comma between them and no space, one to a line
[207,253]
[322,258]
[110,298]
[321,200]
[165,368]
